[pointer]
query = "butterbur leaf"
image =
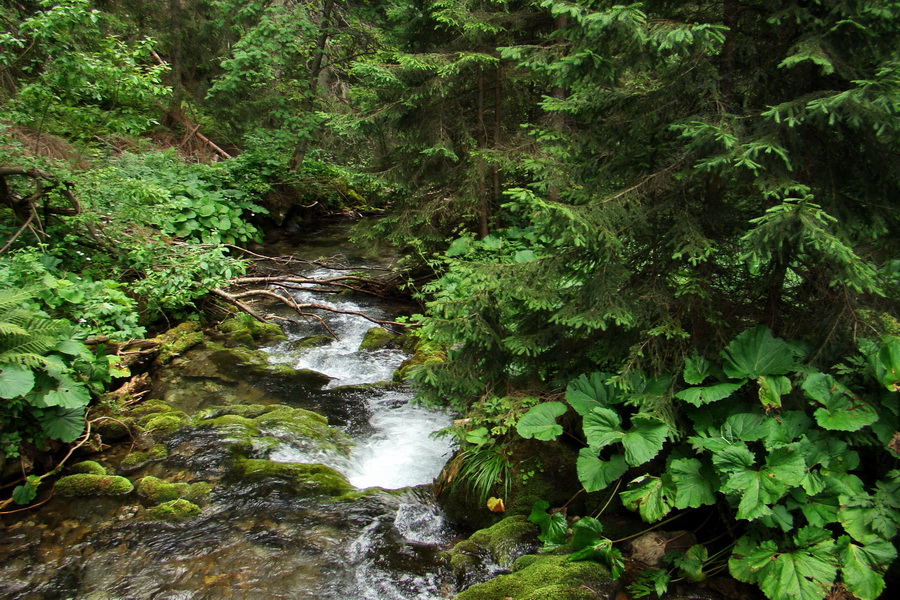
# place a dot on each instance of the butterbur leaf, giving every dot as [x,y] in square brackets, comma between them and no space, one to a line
[863,567]
[644,440]
[699,396]
[15,381]
[696,369]
[605,553]
[771,389]
[649,498]
[588,531]
[695,484]
[755,353]
[806,572]
[690,565]
[746,427]
[540,422]
[587,392]
[595,474]
[553,525]
[64,424]
[68,394]
[602,427]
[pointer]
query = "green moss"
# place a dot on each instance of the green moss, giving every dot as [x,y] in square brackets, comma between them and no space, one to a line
[177,341]
[135,460]
[546,578]
[311,341]
[165,422]
[86,484]
[150,407]
[244,330]
[302,478]
[505,537]
[425,354]
[174,510]
[378,338]
[158,491]
[90,467]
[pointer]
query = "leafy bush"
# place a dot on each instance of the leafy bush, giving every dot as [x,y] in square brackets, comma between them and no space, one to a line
[47,376]
[794,453]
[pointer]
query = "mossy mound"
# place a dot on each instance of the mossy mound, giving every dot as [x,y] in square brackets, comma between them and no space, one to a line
[89,467]
[173,510]
[136,460]
[244,365]
[424,354]
[302,479]
[158,490]
[87,484]
[244,330]
[177,341]
[310,341]
[164,422]
[257,427]
[545,578]
[498,545]
[378,338]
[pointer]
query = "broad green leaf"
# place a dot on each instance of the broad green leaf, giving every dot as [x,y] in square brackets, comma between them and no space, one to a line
[713,393]
[478,436]
[804,573]
[696,369]
[587,392]
[771,389]
[540,422]
[745,427]
[887,364]
[588,531]
[64,424]
[595,474]
[25,493]
[789,427]
[73,348]
[757,489]
[690,565]
[863,567]
[819,510]
[602,427]
[605,553]
[15,381]
[695,484]
[648,497]
[842,410]
[755,353]
[644,440]
[459,246]
[69,394]
[553,525]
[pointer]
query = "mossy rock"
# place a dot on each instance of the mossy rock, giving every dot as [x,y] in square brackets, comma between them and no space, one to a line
[158,491]
[303,479]
[244,365]
[86,484]
[150,407]
[89,467]
[177,341]
[425,354]
[546,578]
[378,338]
[244,330]
[136,460]
[500,544]
[310,341]
[174,510]
[166,422]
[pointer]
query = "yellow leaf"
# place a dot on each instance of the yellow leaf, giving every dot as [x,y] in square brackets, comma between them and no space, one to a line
[496,505]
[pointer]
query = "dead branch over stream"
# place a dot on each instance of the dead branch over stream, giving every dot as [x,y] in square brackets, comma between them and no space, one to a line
[277,288]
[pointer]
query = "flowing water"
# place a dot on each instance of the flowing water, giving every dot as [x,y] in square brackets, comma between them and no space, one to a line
[260,539]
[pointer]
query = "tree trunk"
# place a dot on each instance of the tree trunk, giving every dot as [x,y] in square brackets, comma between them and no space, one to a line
[315,69]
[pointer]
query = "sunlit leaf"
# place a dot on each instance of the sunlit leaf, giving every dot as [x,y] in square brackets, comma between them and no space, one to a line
[540,422]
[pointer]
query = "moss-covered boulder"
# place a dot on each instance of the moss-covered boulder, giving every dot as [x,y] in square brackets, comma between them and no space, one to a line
[302,479]
[158,490]
[496,546]
[424,354]
[244,330]
[87,484]
[173,510]
[378,338]
[177,341]
[141,458]
[310,341]
[88,466]
[164,422]
[545,578]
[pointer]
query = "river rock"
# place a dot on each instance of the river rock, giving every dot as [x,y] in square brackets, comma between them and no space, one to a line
[545,578]
[87,484]
[493,548]
[378,338]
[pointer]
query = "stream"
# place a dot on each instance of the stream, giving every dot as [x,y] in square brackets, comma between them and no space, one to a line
[258,537]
